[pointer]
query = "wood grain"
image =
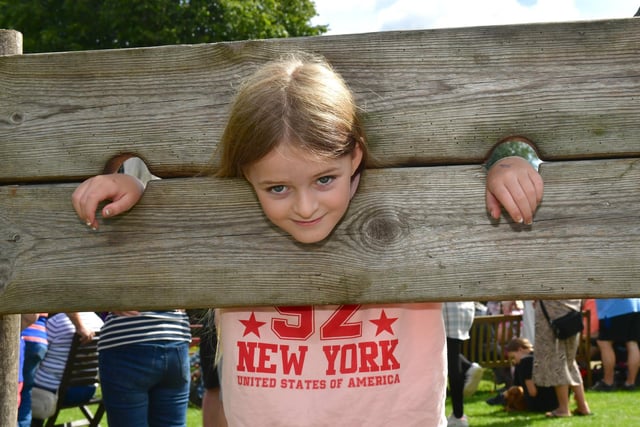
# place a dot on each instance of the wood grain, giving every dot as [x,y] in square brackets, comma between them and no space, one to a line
[428,97]
[411,234]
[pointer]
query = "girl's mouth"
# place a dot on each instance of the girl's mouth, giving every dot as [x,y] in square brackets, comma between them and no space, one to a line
[308,223]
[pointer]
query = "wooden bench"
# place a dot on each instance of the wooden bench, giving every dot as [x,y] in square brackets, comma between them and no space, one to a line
[488,338]
[81,370]
[434,103]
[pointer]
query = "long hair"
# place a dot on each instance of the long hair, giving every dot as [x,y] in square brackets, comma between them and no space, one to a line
[300,100]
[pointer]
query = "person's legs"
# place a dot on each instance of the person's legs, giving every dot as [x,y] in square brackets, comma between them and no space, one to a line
[465,364]
[581,401]
[127,373]
[633,362]
[33,355]
[169,398]
[562,393]
[472,374]
[456,377]
[608,357]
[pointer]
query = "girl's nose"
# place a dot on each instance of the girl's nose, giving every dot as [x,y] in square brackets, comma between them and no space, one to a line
[306,204]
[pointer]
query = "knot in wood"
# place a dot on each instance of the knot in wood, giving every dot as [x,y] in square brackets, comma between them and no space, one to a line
[16,118]
[383,229]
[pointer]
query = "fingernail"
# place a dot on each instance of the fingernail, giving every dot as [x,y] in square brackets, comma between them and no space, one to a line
[107,212]
[88,223]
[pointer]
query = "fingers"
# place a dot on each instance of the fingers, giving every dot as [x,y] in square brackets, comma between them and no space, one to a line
[123,191]
[86,335]
[119,205]
[85,202]
[493,206]
[514,198]
[517,187]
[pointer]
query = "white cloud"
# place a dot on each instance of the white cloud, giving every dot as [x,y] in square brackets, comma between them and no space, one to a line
[357,16]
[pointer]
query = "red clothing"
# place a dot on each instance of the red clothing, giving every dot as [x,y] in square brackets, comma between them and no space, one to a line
[378,365]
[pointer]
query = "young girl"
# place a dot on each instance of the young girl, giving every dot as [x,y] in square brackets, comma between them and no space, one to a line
[537,399]
[294,135]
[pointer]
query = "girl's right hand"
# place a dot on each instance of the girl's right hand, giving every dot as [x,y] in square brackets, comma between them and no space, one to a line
[122,190]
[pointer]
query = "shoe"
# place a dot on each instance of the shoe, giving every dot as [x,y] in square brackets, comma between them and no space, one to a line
[452,421]
[628,387]
[472,379]
[602,386]
[496,400]
[576,412]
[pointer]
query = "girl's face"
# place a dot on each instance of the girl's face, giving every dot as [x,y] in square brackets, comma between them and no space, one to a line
[303,195]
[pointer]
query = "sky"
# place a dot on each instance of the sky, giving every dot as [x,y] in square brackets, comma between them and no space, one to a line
[362,16]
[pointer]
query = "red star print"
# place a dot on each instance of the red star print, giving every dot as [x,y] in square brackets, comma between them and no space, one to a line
[384,323]
[252,325]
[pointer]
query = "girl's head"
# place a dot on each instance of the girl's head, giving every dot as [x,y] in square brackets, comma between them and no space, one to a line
[294,134]
[517,348]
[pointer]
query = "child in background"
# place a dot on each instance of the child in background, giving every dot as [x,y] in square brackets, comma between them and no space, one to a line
[537,399]
[295,136]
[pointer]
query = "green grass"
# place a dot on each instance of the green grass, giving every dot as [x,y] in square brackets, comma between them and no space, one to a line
[611,409]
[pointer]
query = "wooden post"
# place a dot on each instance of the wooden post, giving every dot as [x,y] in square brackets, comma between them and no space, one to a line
[10,44]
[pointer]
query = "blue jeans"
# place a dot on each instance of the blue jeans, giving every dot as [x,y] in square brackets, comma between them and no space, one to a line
[79,395]
[33,355]
[146,385]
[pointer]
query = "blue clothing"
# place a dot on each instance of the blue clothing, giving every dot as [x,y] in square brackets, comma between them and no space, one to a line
[20,361]
[37,331]
[616,307]
[60,333]
[144,368]
[33,354]
[35,347]
[146,384]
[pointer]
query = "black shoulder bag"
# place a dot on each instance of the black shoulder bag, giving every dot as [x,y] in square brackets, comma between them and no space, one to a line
[566,326]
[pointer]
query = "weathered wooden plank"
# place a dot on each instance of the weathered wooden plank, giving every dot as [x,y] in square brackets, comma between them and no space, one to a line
[411,234]
[10,44]
[429,97]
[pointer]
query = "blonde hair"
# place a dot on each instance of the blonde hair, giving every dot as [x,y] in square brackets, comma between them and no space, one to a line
[299,99]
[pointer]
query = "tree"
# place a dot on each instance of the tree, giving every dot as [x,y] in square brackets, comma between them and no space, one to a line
[63,25]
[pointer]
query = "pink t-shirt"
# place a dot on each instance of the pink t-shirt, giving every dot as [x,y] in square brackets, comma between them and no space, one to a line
[350,365]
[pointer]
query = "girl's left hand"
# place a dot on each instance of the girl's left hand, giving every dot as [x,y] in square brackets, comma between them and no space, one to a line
[514,184]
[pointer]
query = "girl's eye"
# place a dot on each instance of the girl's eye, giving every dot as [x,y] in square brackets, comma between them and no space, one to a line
[277,189]
[325,180]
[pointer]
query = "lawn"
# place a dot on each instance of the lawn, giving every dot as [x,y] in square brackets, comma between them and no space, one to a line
[611,409]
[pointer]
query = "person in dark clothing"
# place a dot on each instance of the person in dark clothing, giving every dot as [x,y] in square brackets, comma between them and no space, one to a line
[524,394]
[537,398]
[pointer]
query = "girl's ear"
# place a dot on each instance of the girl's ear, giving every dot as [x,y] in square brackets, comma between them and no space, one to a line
[356,158]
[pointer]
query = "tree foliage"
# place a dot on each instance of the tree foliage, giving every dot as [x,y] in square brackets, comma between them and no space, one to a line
[63,25]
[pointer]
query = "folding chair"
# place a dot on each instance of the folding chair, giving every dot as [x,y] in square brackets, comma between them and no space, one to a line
[81,370]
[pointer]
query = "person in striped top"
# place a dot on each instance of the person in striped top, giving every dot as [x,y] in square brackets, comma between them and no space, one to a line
[60,331]
[144,368]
